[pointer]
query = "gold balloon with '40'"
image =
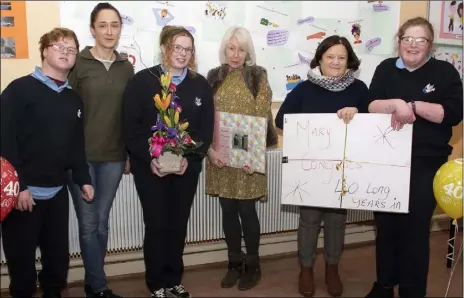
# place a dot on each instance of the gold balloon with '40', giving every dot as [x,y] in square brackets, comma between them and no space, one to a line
[447,187]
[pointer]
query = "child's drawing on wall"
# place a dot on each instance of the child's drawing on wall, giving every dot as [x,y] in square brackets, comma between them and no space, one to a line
[163,16]
[456,61]
[356,32]
[452,55]
[459,11]
[451,19]
[215,11]
[452,9]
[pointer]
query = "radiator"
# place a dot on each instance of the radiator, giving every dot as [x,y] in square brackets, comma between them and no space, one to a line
[126,222]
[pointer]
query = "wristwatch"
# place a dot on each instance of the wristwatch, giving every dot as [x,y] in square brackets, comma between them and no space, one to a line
[413,104]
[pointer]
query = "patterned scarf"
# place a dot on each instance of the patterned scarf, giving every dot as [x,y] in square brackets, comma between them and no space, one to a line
[330,83]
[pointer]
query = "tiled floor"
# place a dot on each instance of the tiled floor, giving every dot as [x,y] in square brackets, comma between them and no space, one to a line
[280,276]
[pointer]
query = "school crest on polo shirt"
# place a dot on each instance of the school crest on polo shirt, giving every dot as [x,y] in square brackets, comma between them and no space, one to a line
[198,101]
[429,88]
[79,113]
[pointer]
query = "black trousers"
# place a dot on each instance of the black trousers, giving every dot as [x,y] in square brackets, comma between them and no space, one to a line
[403,240]
[46,227]
[238,216]
[166,204]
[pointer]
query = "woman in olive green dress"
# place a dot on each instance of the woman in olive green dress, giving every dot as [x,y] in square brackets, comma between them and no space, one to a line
[240,87]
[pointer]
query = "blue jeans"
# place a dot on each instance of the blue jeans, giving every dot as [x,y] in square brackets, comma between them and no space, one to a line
[93,219]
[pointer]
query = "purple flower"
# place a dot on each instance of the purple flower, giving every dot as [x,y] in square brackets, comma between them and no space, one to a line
[159,125]
[172,133]
[173,104]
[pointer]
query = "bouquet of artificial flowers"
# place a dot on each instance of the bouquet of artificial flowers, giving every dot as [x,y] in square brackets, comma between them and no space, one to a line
[170,140]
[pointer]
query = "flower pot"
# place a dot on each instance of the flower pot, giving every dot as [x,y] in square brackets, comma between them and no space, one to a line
[169,162]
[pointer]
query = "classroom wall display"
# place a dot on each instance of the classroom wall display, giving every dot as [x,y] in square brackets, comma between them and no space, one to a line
[285,33]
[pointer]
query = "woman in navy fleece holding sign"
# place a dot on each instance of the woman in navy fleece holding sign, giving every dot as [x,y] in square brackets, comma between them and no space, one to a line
[331,88]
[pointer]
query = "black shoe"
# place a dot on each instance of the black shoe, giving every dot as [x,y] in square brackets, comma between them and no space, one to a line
[160,293]
[232,276]
[251,274]
[381,292]
[177,291]
[106,294]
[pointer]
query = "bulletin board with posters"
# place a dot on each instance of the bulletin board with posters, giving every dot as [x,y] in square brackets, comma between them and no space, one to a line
[285,33]
[13,24]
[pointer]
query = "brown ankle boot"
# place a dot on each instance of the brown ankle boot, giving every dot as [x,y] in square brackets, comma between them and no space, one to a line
[306,283]
[333,281]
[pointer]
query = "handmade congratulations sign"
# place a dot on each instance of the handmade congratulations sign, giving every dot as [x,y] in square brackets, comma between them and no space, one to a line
[241,140]
[363,165]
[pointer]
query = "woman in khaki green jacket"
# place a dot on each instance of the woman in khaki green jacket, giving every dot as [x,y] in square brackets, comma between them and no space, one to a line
[240,87]
[100,76]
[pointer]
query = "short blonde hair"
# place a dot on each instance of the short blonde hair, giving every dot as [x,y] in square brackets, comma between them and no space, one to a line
[245,41]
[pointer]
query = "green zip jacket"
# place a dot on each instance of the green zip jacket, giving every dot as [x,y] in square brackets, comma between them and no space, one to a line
[102,91]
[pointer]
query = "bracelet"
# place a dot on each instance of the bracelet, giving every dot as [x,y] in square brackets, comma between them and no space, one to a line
[413,104]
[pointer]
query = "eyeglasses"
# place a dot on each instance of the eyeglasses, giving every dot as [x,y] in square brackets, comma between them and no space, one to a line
[409,40]
[62,49]
[178,49]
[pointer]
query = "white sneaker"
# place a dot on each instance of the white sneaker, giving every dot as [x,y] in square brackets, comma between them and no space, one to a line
[178,291]
[160,293]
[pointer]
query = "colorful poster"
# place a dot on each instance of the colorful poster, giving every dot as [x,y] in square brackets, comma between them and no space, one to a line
[452,55]
[274,20]
[13,42]
[286,69]
[375,28]
[312,31]
[217,17]
[451,26]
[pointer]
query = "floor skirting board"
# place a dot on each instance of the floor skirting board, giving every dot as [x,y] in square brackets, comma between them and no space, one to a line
[200,254]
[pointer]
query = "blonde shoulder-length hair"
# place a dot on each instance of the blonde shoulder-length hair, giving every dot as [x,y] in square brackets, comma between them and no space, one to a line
[244,39]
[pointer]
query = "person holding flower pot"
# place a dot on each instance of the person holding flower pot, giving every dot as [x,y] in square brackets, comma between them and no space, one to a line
[168,123]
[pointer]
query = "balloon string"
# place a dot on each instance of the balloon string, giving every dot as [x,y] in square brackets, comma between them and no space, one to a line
[450,256]
[455,260]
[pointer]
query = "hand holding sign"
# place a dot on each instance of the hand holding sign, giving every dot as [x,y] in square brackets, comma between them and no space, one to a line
[10,188]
